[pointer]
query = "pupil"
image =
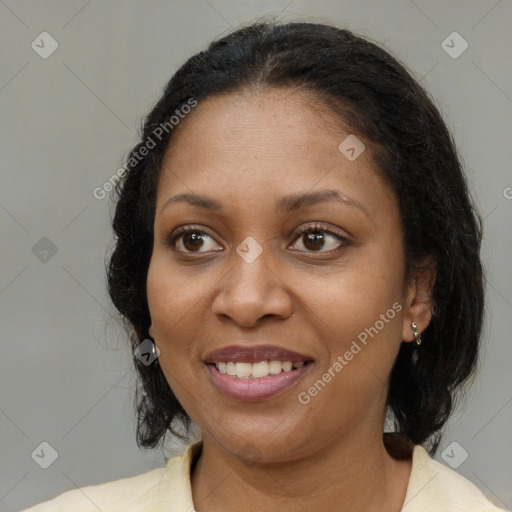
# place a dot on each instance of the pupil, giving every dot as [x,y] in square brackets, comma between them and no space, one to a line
[194,240]
[314,240]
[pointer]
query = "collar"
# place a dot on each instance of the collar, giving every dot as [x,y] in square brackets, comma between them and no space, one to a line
[432,486]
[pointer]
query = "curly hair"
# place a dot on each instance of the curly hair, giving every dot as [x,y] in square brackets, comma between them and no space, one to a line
[371,92]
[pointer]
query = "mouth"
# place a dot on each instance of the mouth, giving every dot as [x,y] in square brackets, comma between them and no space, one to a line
[255,373]
[244,370]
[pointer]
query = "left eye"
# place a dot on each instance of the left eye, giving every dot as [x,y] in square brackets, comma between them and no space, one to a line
[314,239]
[190,239]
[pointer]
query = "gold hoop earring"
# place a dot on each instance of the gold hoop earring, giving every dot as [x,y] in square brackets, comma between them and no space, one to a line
[417,334]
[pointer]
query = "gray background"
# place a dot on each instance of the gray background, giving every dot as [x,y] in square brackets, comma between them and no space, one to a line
[68,121]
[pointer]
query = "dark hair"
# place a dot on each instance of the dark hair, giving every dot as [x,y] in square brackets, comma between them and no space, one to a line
[373,94]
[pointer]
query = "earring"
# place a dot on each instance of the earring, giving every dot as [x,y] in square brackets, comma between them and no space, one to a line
[417,334]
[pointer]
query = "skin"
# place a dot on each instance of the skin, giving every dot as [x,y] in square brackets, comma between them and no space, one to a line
[247,150]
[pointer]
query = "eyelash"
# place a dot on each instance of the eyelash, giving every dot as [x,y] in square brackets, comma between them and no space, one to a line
[185,230]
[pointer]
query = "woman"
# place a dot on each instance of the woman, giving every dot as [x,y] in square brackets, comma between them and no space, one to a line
[297,255]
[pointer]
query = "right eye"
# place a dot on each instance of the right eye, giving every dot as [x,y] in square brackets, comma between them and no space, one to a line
[188,239]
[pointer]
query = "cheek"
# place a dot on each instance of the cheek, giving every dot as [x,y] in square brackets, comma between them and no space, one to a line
[357,312]
[352,297]
[172,293]
[171,302]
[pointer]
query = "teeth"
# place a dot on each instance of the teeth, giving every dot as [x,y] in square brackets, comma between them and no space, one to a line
[231,368]
[243,369]
[257,370]
[274,367]
[287,365]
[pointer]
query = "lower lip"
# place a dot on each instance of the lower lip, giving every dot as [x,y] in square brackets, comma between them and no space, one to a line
[255,389]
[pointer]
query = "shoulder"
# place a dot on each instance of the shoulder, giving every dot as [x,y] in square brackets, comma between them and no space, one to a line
[434,486]
[110,496]
[151,491]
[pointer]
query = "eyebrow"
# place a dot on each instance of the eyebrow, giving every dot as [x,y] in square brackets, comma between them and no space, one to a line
[286,204]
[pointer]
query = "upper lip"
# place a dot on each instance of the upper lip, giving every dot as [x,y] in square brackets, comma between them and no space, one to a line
[254,354]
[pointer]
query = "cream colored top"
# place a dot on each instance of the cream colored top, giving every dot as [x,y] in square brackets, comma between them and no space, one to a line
[432,487]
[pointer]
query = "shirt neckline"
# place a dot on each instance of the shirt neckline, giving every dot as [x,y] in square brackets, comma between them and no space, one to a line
[176,490]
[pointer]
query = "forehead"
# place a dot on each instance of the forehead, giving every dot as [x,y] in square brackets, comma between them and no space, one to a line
[263,144]
[275,117]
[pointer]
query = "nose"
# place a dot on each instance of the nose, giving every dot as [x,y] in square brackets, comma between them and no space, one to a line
[252,291]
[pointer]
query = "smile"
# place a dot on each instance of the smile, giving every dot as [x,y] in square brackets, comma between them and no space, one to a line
[243,370]
[256,381]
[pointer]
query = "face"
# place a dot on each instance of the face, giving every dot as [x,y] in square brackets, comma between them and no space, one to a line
[321,276]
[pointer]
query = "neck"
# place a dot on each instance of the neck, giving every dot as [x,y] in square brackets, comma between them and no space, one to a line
[349,475]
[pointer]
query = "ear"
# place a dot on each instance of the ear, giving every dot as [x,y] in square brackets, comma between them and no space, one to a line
[151,331]
[419,302]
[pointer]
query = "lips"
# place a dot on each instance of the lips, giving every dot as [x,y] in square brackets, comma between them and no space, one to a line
[254,354]
[259,388]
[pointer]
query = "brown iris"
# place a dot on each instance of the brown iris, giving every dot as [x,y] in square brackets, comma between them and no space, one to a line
[194,240]
[314,240]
